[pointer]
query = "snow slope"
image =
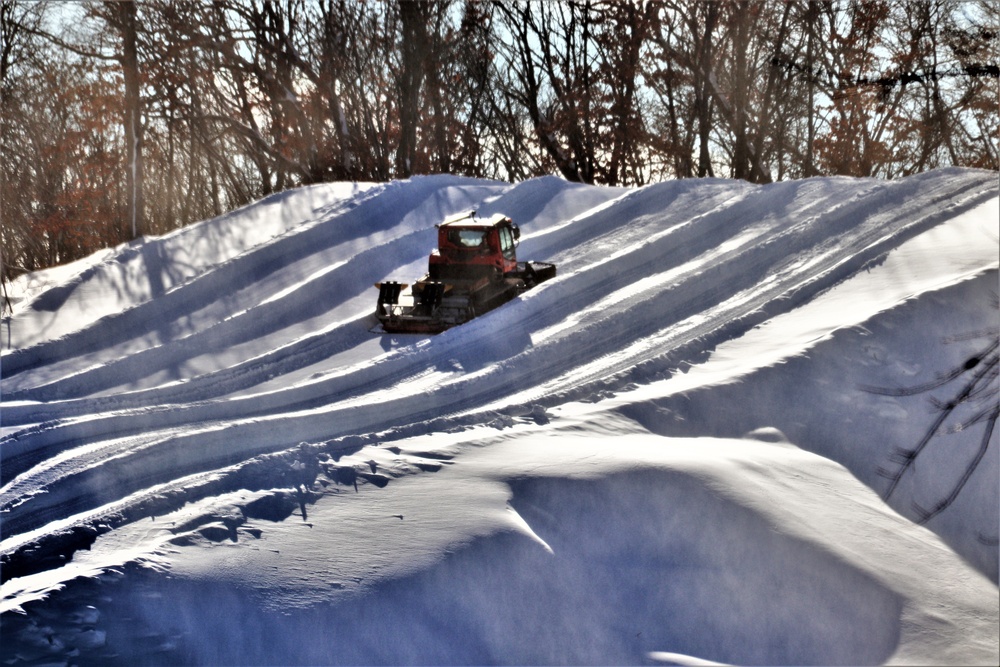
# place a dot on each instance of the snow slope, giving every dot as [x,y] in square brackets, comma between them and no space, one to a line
[668,453]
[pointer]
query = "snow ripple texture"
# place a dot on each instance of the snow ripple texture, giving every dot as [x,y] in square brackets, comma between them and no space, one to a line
[157,373]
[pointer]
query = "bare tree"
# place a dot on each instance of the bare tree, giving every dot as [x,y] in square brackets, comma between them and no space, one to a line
[621,31]
[414,51]
[549,58]
[220,103]
[121,15]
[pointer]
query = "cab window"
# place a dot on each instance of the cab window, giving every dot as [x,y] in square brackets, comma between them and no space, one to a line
[507,242]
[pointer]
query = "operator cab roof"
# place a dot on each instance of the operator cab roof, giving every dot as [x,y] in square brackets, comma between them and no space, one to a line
[469,219]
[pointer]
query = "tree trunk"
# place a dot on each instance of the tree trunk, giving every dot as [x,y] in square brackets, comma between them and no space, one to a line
[125,13]
[703,101]
[413,18]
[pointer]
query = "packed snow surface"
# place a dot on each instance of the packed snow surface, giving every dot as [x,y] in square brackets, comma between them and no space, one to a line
[693,446]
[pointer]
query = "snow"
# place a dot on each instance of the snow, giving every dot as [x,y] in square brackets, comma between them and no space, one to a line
[668,454]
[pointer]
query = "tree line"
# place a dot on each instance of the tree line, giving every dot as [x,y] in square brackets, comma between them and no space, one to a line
[120,119]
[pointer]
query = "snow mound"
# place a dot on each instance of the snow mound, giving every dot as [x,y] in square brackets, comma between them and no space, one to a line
[639,460]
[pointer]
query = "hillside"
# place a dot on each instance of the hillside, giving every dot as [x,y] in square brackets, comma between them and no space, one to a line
[670,452]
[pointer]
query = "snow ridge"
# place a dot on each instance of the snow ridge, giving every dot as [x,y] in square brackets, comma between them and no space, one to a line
[736,255]
[235,354]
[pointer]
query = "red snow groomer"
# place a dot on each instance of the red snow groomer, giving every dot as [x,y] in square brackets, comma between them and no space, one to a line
[473,270]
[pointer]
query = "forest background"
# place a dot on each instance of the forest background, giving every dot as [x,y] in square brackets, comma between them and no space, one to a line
[122,119]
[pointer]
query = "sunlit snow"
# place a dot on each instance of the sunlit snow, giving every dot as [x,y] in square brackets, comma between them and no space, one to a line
[675,452]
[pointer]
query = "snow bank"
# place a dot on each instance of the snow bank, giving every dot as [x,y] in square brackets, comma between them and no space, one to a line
[545,544]
[556,481]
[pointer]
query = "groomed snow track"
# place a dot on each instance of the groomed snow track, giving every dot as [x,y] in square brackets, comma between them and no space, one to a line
[113,406]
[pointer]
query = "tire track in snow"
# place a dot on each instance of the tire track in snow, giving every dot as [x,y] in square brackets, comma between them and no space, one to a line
[725,313]
[680,237]
[821,238]
[319,294]
[388,207]
[690,239]
[90,431]
[571,307]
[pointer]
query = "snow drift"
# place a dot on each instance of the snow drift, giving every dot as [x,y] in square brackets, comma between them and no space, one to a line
[673,452]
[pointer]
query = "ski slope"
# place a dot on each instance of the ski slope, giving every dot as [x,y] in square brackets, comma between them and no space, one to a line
[148,386]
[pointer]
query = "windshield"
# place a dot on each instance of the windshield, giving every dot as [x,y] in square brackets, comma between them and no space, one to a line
[467,238]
